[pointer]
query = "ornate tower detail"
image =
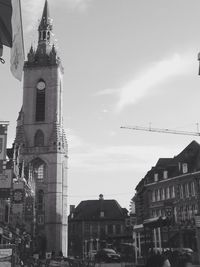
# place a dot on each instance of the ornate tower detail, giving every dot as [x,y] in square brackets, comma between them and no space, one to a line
[41,139]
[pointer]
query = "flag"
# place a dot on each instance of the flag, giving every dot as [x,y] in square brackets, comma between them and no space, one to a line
[17,50]
[5,23]
[11,34]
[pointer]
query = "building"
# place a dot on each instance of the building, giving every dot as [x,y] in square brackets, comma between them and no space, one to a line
[96,224]
[40,146]
[167,201]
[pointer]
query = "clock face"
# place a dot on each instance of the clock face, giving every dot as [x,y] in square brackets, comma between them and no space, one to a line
[41,85]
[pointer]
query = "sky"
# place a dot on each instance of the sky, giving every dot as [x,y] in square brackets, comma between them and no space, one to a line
[127,62]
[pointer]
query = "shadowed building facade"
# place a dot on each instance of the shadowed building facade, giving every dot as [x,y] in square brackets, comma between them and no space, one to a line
[167,202]
[40,146]
[96,224]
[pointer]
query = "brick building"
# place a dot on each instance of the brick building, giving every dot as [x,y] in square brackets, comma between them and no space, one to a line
[95,224]
[167,200]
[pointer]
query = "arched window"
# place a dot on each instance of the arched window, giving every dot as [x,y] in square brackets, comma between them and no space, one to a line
[39,138]
[44,35]
[40,101]
[38,170]
[48,35]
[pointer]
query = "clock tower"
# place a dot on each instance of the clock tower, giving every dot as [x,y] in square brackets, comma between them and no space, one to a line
[40,141]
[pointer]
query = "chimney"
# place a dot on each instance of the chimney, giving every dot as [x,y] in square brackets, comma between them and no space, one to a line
[101,197]
[71,208]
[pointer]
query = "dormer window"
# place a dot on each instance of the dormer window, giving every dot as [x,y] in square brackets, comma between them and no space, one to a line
[155,177]
[102,214]
[165,174]
[185,167]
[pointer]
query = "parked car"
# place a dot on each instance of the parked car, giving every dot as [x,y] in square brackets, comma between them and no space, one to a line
[107,255]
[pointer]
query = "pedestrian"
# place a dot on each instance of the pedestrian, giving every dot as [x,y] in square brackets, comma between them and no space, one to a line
[158,260]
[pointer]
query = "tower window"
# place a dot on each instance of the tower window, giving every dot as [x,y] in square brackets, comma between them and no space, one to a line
[44,35]
[39,138]
[40,102]
[40,200]
[48,35]
[38,170]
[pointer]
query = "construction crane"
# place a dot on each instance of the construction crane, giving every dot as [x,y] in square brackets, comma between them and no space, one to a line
[158,130]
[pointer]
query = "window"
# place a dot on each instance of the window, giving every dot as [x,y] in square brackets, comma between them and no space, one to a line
[153,213]
[153,196]
[184,167]
[110,229]
[40,200]
[40,104]
[87,227]
[163,194]
[158,195]
[167,193]
[102,214]
[94,230]
[118,229]
[165,174]
[38,170]
[172,191]
[192,189]
[102,232]
[181,191]
[155,177]
[187,194]
[39,138]
[175,214]
[40,219]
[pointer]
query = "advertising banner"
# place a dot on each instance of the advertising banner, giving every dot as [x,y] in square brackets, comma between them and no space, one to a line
[3,145]
[6,179]
[3,139]
[5,184]
[17,209]
[5,257]
[29,207]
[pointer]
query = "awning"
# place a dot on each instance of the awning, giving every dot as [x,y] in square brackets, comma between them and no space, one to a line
[156,222]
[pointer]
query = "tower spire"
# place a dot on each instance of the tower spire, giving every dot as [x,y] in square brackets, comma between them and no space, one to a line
[45,29]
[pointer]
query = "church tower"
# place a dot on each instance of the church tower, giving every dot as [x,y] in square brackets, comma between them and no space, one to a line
[40,140]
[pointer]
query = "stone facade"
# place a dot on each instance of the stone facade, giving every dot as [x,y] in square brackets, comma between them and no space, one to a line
[40,147]
[96,224]
[168,199]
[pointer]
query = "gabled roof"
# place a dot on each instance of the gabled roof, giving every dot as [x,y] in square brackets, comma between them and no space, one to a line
[188,153]
[91,210]
[162,162]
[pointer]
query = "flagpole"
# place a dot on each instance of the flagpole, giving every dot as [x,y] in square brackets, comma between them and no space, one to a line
[20,10]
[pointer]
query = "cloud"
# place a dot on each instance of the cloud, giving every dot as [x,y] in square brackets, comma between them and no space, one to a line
[31,12]
[92,158]
[81,5]
[147,80]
